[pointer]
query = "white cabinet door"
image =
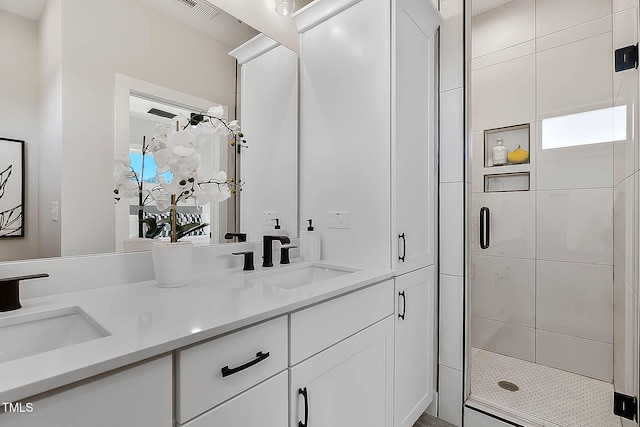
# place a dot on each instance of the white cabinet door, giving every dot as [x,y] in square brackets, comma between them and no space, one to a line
[414,336]
[264,405]
[414,142]
[349,384]
[344,126]
[137,396]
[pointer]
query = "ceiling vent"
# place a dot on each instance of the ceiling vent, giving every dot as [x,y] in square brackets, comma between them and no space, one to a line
[200,8]
[161,113]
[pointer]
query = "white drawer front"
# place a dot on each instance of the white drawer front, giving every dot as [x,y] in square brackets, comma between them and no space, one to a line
[200,381]
[318,327]
[264,405]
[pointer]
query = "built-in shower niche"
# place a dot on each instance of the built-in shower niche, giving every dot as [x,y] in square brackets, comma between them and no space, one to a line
[513,174]
[517,181]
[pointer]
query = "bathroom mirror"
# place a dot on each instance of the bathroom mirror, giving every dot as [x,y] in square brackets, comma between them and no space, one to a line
[61,99]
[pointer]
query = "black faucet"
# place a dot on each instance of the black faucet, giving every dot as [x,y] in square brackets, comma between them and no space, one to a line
[10,291]
[267,250]
[242,237]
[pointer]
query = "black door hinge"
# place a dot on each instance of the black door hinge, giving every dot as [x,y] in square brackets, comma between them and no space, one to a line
[625,406]
[626,58]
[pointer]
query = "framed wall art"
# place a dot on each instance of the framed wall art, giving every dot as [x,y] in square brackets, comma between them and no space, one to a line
[11,188]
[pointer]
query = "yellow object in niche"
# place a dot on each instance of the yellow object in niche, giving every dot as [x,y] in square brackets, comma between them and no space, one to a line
[519,155]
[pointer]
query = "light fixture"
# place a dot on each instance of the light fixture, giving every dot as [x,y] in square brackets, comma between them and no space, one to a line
[285,7]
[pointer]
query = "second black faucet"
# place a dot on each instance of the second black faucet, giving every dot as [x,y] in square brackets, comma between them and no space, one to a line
[267,248]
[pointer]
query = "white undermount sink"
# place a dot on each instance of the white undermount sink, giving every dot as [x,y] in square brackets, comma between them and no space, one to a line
[298,277]
[29,334]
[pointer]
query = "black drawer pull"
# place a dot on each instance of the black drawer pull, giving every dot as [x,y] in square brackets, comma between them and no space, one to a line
[260,356]
[404,305]
[303,393]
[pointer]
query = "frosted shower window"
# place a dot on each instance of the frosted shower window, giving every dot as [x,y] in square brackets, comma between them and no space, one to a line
[591,127]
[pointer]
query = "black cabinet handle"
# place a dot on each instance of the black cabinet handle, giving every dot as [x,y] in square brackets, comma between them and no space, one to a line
[485,230]
[404,305]
[303,392]
[260,356]
[404,247]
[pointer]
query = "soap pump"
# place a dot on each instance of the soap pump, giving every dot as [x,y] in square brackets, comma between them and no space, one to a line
[278,231]
[310,243]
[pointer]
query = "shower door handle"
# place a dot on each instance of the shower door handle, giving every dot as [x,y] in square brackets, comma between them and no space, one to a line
[485,227]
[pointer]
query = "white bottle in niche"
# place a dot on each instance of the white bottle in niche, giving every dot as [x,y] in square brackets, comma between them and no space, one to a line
[499,154]
[310,244]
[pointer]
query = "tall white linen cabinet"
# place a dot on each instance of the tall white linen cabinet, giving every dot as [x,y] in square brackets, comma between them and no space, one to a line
[367,146]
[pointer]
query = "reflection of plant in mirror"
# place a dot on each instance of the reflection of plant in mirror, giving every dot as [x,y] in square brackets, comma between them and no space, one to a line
[174,148]
[128,184]
[153,228]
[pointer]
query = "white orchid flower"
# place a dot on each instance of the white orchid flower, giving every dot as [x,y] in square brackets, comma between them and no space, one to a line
[201,195]
[125,187]
[217,112]
[186,167]
[224,194]
[163,158]
[182,143]
[173,188]
[160,137]
[221,176]
[211,192]
[162,199]
[234,125]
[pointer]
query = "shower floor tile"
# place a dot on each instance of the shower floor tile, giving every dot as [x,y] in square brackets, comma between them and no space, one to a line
[554,396]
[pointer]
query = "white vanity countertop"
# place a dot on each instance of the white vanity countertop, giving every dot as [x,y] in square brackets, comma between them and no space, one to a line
[145,321]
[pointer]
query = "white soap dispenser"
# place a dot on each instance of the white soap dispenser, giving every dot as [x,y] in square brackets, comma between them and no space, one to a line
[310,244]
[499,154]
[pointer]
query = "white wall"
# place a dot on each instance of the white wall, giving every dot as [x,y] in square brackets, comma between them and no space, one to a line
[561,230]
[100,39]
[19,119]
[269,122]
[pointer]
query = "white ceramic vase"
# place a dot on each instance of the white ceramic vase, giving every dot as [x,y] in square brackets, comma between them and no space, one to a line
[172,263]
[136,244]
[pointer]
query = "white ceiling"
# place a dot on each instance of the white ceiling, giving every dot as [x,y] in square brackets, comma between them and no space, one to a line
[481,6]
[223,26]
[30,9]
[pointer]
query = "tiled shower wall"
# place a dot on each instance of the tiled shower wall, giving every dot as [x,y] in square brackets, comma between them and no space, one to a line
[454,95]
[544,291]
[454,88]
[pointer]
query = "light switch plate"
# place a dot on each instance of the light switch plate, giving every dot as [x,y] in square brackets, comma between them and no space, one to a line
[54,211]
[338,219]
